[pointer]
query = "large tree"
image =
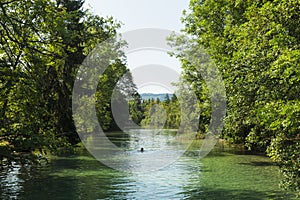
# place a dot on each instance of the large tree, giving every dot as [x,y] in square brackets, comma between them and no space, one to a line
[43,43]
[255,45]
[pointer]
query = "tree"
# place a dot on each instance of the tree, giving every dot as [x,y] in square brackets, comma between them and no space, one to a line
[42,46]
[167,99]
[116,77]
[255,46]
[136,108]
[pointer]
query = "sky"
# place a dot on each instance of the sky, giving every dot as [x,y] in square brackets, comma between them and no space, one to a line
[138,14]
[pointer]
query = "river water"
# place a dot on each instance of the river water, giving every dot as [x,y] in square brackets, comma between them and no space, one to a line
[226,173]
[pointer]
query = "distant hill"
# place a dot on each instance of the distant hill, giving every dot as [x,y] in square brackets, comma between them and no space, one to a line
[146,96]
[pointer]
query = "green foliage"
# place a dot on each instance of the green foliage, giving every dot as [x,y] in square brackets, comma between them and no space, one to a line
[116,77]
[42,45]
[172,107]
[136,108]
[165,114]
[255,45]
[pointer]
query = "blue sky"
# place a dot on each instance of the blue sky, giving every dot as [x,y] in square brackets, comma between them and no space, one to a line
[137,14]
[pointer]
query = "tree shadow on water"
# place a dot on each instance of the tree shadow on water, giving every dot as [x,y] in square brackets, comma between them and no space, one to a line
[257,164]
[223,194]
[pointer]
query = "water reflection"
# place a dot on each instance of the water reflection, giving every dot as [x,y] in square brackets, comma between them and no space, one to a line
[167,183]
[151,140]
[221,175]
[161,148]
[11,184]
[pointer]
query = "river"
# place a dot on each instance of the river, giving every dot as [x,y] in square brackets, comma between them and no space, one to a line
[226,173]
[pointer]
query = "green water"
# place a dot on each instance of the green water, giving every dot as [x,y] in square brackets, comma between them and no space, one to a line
[226,173]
